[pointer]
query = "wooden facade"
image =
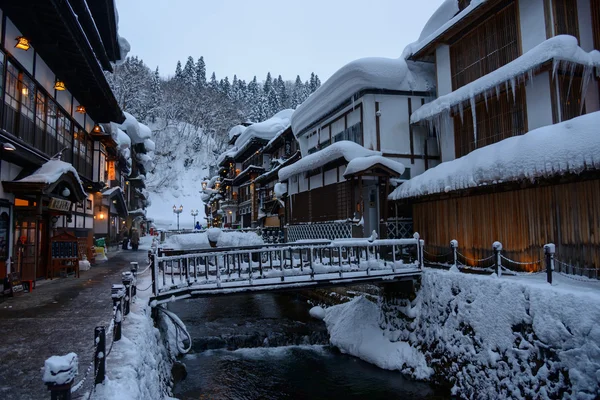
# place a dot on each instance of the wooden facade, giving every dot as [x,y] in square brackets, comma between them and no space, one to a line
[523,220]
[326,203]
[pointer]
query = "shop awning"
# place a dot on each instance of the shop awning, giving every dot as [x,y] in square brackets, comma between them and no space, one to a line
[116,196]
[56,179]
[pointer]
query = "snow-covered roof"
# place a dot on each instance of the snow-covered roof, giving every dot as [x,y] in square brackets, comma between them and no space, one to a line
[343,149]
[236,131]
[560,49]
[149,145]
[568,147]
[110,191]
[267,129]
[444,18]
[229,153]
[365,73]
[280,189]
[363,163]
[51,172]
[123,141]
[137,131]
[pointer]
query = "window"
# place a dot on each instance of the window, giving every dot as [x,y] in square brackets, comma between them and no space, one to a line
[502,118]
[565,18]
[595,5]
[64,136]
[353,134]
[569,98]
[51,123]
[486,48]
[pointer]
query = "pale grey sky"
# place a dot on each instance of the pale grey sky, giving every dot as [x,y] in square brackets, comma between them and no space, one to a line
[253,37]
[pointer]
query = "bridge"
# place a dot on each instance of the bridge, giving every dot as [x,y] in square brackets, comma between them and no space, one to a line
[181,274]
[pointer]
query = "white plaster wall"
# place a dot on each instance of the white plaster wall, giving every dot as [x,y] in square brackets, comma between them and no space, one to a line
[444,73]
[302,183]
[292,186]
[22,56]
[532,23]
[341,171]
[584,16]
[64,98]
[44,75]
[316,181]
[447,148]
[369,131]
[331,176]
[394,124]
[538,101]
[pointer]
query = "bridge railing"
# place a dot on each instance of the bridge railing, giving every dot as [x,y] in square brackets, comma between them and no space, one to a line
[290,263]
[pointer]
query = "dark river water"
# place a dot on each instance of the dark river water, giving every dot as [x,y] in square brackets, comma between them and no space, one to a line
[266,346]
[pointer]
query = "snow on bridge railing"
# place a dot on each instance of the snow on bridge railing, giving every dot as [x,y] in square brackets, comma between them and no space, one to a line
[226,269]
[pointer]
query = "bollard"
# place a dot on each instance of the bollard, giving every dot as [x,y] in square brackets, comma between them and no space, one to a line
[100,355]
[497,246]
[417,237]
[549,250]
[134,271]
[58,375]
[454,249]
[422,251]
[127,280]
[117,294]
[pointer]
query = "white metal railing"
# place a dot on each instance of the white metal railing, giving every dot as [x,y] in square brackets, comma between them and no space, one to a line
[290,264]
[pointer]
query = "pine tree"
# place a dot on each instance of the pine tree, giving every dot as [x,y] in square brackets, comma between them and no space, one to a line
[178,71]
[225,87]
[273,103]
[317,82]
[200,73]
[312,84]
[282,94]
[214,85]
[297,92]
[155,97]
[268,84]
[253,98]
[188,74]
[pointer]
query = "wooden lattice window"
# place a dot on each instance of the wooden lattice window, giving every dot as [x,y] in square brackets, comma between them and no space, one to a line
[503,117]
[565,18]
[490,45]
[569,98]
[595,7]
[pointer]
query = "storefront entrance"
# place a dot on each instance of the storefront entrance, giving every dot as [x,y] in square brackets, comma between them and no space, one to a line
[30,238]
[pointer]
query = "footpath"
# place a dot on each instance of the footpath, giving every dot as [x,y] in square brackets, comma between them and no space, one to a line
[56,318]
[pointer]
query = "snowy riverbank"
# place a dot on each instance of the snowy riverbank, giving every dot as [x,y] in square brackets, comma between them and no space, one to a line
[488,338]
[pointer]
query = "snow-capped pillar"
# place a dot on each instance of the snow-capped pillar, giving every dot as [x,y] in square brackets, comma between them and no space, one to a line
[59,374]
[454,249]
[549,250]
[117,294]
[99,354]
[497,246]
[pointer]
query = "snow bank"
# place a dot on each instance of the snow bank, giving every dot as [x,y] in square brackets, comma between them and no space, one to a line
[236,131]
[199,240]
[137,131]
[317,312]
[365,73]
[562,48]
[149,145]
[363,163]
[366,340]
[84,265]
[267,129]
[51,171]
[568,147]
[343,149]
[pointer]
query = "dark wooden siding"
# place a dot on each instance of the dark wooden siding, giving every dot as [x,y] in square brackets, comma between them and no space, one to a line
[522,220]
[327,203]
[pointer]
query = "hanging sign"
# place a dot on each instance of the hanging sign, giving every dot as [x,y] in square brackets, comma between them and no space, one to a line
[59,204]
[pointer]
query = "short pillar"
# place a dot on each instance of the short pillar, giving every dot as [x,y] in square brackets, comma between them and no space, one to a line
[134,271]
[454,250]
[127,280]
[59,374]
[549,250]
[100,354]
[117,294]
[416,236]
[497,246]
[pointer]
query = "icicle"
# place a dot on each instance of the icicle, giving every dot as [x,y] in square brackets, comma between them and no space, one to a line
[460,110]
[485,99]
[571,67]
[498,92]
[474,115]
[506,88]
[587,76]
[513,88]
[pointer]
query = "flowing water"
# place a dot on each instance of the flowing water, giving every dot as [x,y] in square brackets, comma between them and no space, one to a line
[266,346]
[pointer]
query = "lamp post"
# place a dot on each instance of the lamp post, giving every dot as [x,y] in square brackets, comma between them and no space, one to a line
[178,211]
[194,214]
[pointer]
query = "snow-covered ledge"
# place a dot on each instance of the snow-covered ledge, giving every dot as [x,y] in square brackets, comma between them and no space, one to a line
[568,147]
[562,50]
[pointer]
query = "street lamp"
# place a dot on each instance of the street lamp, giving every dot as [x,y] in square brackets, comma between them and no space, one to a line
[194,214]
[178,211]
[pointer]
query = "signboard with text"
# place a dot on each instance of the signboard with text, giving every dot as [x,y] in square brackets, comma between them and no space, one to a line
[59,204]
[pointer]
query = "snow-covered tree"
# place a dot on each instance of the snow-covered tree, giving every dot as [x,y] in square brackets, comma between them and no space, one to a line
[189,74]
[178,70]
[200,73]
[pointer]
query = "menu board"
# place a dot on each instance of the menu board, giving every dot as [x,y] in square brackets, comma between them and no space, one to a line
[64,250]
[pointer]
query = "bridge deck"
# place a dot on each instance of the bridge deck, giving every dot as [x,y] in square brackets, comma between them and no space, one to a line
[233,271]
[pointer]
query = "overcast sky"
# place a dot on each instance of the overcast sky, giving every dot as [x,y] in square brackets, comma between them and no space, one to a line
[253,37]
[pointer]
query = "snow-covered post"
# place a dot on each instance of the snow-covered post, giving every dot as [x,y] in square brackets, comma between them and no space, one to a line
[59,374]
[134,270]
[416,236]
[127,280]
[99,354]
[497,246]
[549,250]
[117,294]
[454,249]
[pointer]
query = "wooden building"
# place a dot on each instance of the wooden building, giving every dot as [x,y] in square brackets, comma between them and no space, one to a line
[505,68]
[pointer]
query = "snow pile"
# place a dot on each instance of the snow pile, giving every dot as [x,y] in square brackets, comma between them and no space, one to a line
[317,312]
[236,131]
[364,163]
[366,340]
[562,50]
[149,145]
[51,171]
[123,141]
[213,234]
[343,149]
[267,129]
[59,370]
[84,265]
[443,14]
[229,153]
[280,189]
[568,147]
[199,240]
[365,73]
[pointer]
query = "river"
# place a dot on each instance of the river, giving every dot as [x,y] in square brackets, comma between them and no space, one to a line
[266,346]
